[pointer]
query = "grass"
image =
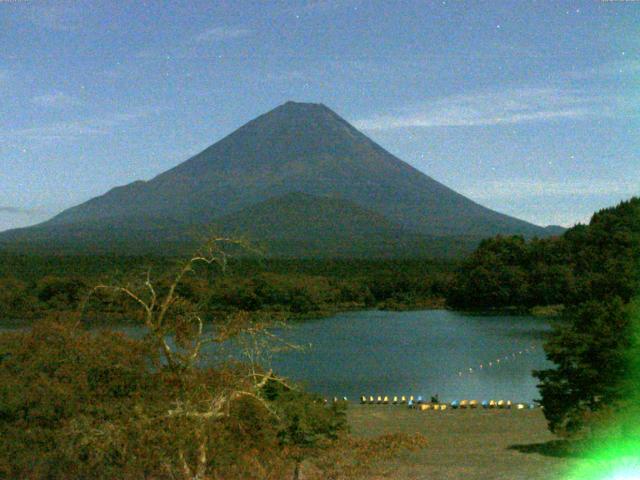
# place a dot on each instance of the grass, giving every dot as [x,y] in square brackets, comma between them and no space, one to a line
[468,444]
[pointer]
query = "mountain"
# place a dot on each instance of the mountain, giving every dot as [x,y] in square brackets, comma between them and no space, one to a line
[300,148]
[298,225]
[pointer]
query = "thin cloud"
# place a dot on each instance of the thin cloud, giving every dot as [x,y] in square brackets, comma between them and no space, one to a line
[509,106]
[521,189]
[5,76]
[55,100]
[217,34]
[325,5]
[72,130]
[617,69]
[288,76]
[21,211]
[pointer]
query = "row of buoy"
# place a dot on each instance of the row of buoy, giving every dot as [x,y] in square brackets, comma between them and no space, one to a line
[497,361]
[421,405]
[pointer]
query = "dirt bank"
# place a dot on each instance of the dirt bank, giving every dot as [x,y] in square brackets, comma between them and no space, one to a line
[467,444]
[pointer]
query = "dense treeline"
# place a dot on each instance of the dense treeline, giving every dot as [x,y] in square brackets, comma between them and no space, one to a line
[594,272]
[32,287]
[510,272]
[32,267]
[595,348]
[588,262]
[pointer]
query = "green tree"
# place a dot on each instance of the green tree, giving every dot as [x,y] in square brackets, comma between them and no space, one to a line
[589,350]
[494,276]
[14,298]
[307,426]
[61,292]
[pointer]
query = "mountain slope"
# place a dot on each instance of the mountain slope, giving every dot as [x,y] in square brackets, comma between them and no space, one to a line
[302,216]
[303,225]
[293,225]
[297,147]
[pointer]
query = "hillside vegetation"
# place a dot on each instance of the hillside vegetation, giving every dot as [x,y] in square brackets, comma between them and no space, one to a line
[588,262]
[32,287]
[594,272]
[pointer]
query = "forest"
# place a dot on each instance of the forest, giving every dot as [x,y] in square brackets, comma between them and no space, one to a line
[103,405]
[33,287]
[593,272]
[588,262]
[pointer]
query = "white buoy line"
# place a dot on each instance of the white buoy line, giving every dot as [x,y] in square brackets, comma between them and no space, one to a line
[496,362]
[422,405]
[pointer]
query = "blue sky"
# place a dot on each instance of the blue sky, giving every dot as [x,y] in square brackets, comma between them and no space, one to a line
[528,107]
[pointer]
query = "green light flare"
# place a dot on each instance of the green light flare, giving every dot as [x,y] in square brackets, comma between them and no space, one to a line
[619,460]
[616,456]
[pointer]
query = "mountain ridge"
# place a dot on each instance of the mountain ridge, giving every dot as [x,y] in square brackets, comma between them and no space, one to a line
[296,147]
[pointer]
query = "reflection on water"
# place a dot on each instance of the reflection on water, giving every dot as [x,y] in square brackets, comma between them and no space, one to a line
[418,353]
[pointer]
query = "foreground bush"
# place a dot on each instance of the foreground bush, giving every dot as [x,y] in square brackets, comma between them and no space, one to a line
[100,405]
[76,404]
[82,404]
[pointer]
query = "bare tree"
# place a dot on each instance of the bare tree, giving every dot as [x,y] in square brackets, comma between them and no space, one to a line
[178,330]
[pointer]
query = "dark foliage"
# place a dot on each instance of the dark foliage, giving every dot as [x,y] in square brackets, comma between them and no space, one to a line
[589,351]
[594,270]
[589,262]
[75,404]
[33,287]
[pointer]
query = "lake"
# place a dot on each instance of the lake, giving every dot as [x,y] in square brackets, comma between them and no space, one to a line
[416,353]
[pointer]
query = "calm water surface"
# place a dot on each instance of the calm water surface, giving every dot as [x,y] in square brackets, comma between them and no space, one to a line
[419,353]
[416,353]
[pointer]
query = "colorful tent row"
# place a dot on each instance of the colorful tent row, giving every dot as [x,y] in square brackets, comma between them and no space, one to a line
[462,404]
[490,404]
[430,406]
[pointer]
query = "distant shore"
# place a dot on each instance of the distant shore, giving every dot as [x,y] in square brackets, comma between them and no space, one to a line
[548,311]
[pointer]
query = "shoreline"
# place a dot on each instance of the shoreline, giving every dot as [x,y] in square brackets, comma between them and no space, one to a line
[548,311]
